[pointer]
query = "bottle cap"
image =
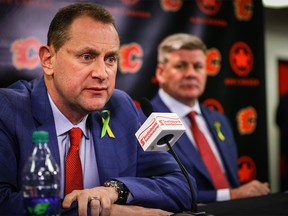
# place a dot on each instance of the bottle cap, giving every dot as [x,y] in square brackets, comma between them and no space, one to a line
[40,137]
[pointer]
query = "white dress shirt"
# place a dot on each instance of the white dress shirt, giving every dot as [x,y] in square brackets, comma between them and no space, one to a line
[182,111]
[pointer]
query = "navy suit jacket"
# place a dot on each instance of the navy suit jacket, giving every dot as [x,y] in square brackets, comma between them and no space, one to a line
[152,177]
[191,158]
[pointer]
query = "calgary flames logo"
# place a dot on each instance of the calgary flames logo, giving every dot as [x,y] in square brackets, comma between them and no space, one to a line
[209,7]
[213,105]
[131,58]
[25,53]
[213,61]
[171,5]
[247,120]
[241,58]
[243,9]
[246,169]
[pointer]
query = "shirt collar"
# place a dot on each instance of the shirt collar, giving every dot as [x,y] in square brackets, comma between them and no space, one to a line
[177,107]
[62,124]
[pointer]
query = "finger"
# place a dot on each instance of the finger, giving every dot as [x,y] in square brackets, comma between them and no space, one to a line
[106,206]
[69,199]
[265,189]
[261,189]
[266,184]
[95,206]
[83,200]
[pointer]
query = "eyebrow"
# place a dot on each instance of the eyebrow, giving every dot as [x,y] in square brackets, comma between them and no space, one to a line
[95,52]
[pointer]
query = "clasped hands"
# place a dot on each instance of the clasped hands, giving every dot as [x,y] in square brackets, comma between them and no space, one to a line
[101,200]
[250,189]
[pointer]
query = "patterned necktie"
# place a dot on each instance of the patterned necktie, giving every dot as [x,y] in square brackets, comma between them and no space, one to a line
[207,155]
[73,171]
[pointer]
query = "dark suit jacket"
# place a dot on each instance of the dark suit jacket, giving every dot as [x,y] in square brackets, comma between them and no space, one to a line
[192,159]
[152,177]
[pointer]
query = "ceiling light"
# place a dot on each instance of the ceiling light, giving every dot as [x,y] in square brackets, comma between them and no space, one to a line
[275,3]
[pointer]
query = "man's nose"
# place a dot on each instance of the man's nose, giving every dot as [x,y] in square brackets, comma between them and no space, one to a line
[99,70]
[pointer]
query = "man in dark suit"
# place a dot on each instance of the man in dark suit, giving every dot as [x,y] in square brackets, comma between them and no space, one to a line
[77,90]
[181,74]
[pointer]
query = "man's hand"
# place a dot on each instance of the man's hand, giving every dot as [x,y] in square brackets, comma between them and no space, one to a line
[120,210]
[251,189]
[100,199]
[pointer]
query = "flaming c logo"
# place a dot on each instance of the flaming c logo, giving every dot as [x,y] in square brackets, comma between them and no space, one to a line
[241,59]
[171,5]
[247,120]
[243,9]
[213,61]
[209,7]
[131,58]
[25,53]
[213,105]
[246,169]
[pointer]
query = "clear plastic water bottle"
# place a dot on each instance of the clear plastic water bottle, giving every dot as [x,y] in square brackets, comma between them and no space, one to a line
[41,179]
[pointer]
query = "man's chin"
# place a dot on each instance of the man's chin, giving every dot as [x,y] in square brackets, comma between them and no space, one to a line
[95,105]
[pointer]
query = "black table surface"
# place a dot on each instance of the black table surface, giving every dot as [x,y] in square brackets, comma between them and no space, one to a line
[273,204]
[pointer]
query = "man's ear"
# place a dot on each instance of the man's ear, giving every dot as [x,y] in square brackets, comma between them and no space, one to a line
[47,55]
[159,72]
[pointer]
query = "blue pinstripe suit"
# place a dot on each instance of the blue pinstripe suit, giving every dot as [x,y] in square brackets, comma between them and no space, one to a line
[25,108]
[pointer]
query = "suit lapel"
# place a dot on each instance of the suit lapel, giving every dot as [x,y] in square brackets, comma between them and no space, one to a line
[221,145]
[43,115]
[190,155]
[184,147]
[105,150]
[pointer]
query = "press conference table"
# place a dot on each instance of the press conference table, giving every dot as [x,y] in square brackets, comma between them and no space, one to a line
[273,204]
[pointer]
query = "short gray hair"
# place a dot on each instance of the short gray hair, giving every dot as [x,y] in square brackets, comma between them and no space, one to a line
[179,41]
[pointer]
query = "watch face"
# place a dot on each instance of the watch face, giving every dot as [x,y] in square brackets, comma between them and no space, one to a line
[121,189]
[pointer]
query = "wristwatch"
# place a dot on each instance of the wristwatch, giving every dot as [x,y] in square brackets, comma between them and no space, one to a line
[121,189]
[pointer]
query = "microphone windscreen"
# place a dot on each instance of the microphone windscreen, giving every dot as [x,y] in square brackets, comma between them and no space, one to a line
[146,107]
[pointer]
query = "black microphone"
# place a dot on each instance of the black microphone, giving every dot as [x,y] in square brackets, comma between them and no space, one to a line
[147,109]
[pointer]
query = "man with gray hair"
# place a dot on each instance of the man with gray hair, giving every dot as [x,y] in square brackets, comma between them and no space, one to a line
[207,156]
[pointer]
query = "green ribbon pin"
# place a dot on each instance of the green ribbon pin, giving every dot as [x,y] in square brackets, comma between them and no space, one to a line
[105,127]
[217,126]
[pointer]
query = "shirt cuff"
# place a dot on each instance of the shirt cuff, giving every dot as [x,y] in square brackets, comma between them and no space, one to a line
[223,194]
[130,198]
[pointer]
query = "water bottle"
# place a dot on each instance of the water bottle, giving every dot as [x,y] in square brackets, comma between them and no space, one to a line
[41,179]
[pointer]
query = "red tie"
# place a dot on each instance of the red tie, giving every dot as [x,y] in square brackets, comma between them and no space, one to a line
[73,171]
[207,155]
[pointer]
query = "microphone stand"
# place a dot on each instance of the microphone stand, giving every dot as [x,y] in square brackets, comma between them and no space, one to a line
[194,210]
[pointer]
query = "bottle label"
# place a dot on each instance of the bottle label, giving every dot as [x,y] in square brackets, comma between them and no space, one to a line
[42,206]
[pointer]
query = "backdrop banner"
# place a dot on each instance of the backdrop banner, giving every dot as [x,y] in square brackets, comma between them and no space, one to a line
[232,30]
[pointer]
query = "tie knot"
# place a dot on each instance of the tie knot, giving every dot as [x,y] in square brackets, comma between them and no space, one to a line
[75,136]
[192,115]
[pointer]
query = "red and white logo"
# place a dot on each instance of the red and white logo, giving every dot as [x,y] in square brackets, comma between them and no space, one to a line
[213,104]
[241,58]
[243,9]
[247,120]
[131,58]
[25,53]
[157,126]
[213,61]
[246,169]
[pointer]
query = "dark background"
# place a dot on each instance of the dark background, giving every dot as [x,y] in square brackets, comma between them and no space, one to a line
[142,24]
